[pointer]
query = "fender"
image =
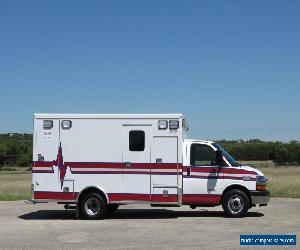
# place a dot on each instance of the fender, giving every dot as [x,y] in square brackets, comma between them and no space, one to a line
[235,184]
[100,189]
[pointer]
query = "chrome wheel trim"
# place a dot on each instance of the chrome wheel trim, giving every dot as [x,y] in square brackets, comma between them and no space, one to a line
[235,204]
[92,206]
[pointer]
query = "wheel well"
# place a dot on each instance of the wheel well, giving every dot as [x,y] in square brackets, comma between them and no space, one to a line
[91,190]
[246,191]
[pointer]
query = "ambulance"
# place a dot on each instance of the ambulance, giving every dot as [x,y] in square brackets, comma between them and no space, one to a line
[96,162]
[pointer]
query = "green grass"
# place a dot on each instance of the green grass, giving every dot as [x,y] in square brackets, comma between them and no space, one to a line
[259,164]
[15,186]
[283,182]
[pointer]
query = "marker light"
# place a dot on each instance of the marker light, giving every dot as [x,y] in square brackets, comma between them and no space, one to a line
[261,187]
[173,124]
[47,124]
[162,124]
[66,124]
[185,125]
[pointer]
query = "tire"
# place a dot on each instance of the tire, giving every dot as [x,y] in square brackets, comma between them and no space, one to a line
[235,203]
[92,206]
[112,208]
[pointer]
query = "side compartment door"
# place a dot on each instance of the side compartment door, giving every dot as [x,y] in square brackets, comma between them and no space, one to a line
[164,171]
[136,162]
[66,179]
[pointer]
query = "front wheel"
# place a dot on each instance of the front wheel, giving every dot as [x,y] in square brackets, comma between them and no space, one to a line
[92,206]
[235,203]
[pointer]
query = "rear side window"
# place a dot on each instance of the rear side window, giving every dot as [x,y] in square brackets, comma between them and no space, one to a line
[136,140]
[202,155]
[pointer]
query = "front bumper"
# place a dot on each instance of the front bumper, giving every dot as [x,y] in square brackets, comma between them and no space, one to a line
[260,197]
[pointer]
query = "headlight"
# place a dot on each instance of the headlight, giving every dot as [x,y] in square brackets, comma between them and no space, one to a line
[261,179]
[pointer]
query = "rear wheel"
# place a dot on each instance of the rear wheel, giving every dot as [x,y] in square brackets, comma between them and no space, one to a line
[235,203]
[92,206]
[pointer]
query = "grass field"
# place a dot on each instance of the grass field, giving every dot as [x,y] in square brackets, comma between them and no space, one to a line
[283,182]
[15,186]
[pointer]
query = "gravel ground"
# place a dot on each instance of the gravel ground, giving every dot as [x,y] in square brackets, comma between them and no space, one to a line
[49,226]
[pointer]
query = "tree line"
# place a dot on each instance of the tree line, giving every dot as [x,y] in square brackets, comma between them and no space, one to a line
[256,150]
[16,150]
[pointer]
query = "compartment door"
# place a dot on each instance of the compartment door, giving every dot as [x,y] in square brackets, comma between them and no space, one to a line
[164,171]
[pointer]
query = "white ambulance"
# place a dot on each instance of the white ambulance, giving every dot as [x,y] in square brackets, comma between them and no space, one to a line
[96,162]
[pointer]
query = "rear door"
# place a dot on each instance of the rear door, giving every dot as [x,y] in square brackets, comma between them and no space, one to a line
[164,171]
[45,152]
[136,162]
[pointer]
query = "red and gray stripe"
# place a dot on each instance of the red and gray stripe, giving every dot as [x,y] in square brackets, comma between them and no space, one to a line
[146,169]
[218,173]
[111,168]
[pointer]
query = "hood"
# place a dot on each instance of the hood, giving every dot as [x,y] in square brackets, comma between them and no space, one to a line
[248,168]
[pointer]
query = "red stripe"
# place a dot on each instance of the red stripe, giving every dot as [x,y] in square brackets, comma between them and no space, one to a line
[42,164]
[42,171]
[93,165]
[122,165]
[237,171]
[166,166]
[96,172]
[236,178]
[201,199]
[54,195]
[161,198]
[225,170]
[121,172]
[187,198]
[216,177]
[121,197]
[205,170]
[110,165]
[203,177]
[141,172]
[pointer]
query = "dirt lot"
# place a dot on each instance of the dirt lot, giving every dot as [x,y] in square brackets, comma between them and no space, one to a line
[48,226]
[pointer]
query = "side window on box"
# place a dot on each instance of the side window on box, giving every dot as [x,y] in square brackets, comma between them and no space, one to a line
[136,140]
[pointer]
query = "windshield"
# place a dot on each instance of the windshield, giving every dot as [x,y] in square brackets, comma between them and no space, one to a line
[228,157]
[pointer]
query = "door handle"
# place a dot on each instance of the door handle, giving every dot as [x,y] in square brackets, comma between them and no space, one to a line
[188,172]
[127,164]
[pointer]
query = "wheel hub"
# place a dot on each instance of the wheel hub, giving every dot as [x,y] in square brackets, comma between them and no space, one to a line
[92,206]
[235,204]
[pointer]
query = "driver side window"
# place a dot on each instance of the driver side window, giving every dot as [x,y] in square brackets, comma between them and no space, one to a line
[202,155]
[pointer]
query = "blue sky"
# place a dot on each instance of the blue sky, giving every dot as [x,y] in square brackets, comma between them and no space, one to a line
[231,67]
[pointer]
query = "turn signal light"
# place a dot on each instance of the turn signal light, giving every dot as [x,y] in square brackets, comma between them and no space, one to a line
[261,187]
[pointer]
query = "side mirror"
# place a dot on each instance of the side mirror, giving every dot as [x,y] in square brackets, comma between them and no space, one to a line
[219,157]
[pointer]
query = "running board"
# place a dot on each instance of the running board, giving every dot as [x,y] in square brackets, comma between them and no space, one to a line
[165,205]
[29,202]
